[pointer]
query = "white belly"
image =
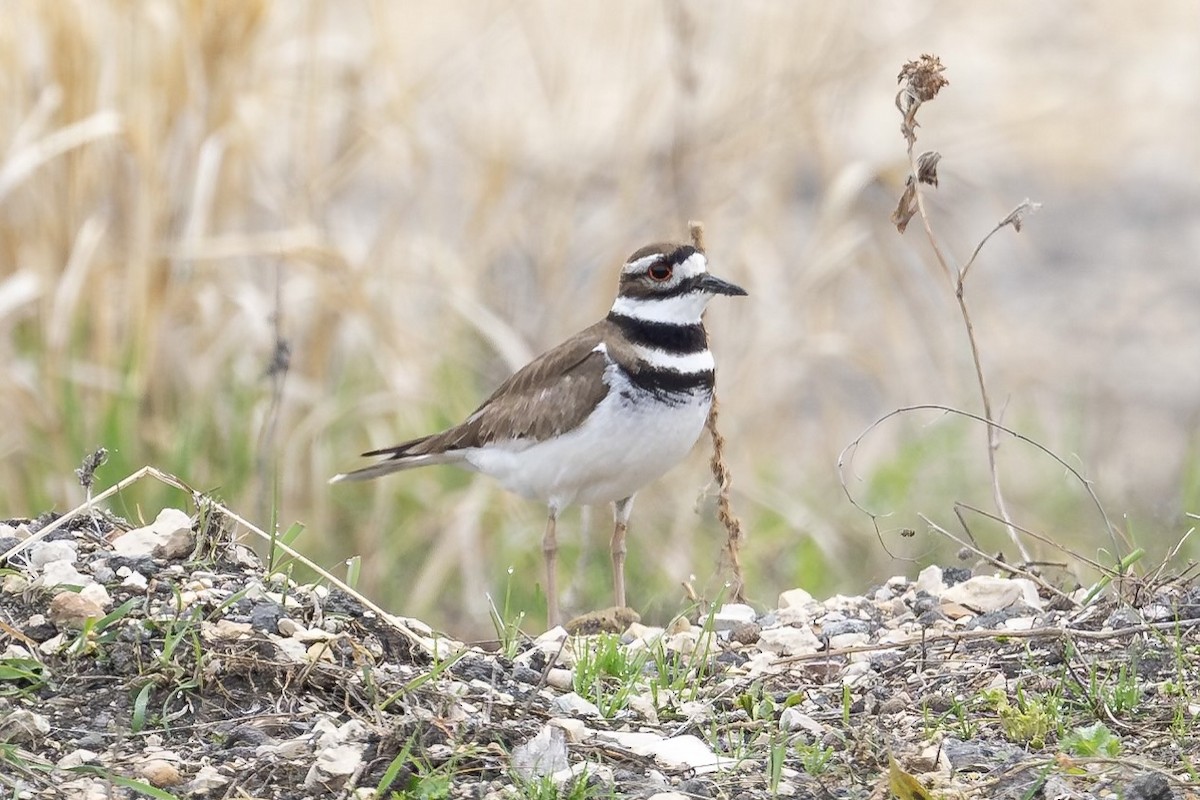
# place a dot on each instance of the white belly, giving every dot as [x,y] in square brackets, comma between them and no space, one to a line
[625,444]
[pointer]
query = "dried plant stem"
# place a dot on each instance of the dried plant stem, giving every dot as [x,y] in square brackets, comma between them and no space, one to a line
[277,370]
[957,278]
[733,525]
[734,536]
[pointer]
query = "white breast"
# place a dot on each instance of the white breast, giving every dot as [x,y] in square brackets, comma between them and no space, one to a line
[630,440]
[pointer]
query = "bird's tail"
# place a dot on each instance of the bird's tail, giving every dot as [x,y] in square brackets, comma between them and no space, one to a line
[400,457]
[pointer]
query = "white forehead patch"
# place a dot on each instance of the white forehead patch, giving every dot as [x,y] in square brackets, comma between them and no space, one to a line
[695,264]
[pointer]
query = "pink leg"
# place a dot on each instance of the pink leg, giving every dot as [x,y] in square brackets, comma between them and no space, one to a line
[621,511]
[550,554]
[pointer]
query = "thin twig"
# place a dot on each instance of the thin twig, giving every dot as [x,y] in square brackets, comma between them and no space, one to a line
[847,455]
[929,638]
[995,562]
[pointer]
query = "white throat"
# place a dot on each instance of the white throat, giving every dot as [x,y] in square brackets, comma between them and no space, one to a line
[684,309]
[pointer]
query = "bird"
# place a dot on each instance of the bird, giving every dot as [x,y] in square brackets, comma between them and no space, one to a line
[597,418]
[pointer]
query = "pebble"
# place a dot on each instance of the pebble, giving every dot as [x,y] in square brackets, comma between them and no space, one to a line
[574,729]
[97,594]
[560,678]
[794,598]
[731,615]
[984,593]
[136,581]
[572,705]
[63,573]
[175,545]
[161,773]
[143,541]
[746,633]
[71,611]
[677,752]
[544,754]
[792,719]
[43,553]
[341,759]
[76,758]
[23,727]
[930,580]
[789,641]
[208,780]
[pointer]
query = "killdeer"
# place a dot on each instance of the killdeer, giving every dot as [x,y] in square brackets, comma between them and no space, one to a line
[600,416]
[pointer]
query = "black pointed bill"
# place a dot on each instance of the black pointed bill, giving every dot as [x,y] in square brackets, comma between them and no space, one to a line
[714,285]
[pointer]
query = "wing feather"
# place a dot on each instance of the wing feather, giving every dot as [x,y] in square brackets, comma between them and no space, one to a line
[551,394]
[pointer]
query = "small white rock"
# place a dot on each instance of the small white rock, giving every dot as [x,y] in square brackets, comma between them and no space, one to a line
[43,553]
[794,598]
[843,640]
[930,580]
[571,704]
[678,752]
[789,641]
[135,580]
[76,758]
[731,615]
[14,583]
[792,719]
[97,594]
[208,779]
[142,541]
[984,593]
[60,573]
[544,754]
[643,705]
[574,729]
[560,678]
[342,759]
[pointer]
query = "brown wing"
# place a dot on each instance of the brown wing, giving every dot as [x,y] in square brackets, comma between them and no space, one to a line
[553,393]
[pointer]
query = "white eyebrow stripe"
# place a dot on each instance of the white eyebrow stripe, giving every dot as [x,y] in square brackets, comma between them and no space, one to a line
[695,264]
[642,263]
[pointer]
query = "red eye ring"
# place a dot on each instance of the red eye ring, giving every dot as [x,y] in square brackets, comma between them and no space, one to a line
[660,272]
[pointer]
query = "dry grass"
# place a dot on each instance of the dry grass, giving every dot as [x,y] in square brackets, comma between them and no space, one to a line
[444,193]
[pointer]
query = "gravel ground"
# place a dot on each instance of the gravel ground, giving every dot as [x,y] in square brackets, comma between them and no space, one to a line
[165,660]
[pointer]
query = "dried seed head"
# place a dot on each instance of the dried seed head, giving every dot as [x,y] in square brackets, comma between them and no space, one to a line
[919,81]
[923,77]
[87,471]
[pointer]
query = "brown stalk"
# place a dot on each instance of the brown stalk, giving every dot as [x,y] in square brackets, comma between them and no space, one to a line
[734,536]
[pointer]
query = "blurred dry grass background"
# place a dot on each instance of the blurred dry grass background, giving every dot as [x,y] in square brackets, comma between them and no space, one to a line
[435,192]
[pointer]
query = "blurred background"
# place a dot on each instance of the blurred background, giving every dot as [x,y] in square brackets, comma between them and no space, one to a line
[416,198]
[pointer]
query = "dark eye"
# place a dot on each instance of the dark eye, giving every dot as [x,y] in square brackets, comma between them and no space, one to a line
[660,272]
